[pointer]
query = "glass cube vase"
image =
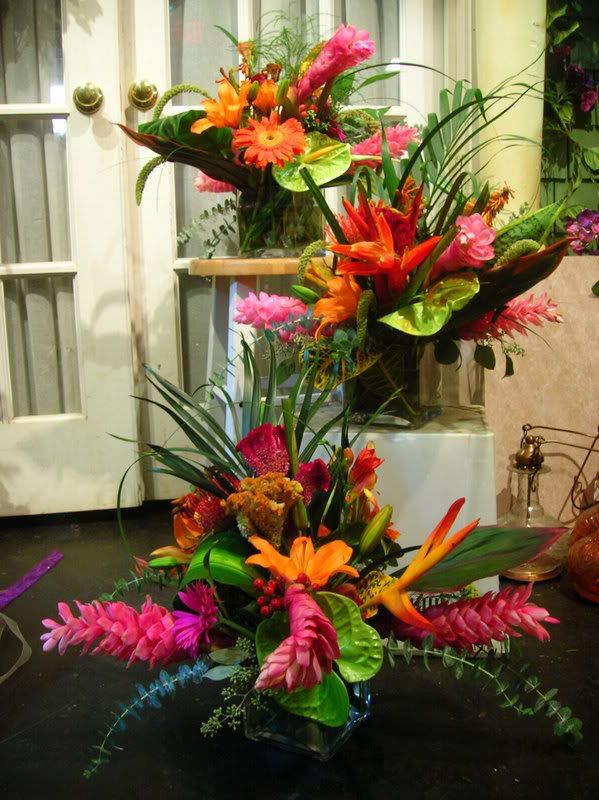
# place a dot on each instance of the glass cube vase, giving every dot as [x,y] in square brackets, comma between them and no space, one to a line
[271,724]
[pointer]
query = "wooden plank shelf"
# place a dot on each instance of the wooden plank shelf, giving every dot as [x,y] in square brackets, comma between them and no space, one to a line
[239,267]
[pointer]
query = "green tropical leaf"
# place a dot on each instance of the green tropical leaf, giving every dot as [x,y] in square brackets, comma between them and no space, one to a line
[485,356]
[177,128]
[327,702]
[427,316]
[360,645]
[487,551]
[222,558]
[590,156]
[165,562]
[330,165]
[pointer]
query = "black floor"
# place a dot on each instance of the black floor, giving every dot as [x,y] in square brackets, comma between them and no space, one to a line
[429,736]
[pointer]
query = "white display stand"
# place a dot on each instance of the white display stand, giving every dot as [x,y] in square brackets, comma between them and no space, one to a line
[425,470]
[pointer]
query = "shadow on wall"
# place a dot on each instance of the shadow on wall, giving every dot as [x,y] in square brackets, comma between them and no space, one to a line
[556,383]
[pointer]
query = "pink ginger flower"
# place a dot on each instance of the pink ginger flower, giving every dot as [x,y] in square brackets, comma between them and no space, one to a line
[517,316]
[472,247]
[307,654]
[265,449]
[204,183]
[347,48]
[314,476]
[468,623]
[124,632]
[192,628]
[398,139]
[268,310]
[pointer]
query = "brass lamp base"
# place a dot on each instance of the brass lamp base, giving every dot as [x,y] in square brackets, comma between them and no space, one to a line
[541,569]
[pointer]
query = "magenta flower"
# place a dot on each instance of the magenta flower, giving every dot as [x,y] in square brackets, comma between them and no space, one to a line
[398,139]
[346,48]
[146,635]
[584,231]
[204,183]
[265,449]
[472,247]
[588,99]
[517,316]
[307,654]
[313,476]
[467,624]
[192,628]
[268,310]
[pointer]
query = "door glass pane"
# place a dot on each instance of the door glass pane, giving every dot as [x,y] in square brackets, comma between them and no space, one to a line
[42,345]
[34,220]
[381,20]
[205,220]
[198,48]
[271,15]
[31,59]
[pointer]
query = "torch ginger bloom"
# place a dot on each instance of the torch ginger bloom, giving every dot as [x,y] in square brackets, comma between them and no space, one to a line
[467,624]
[266,311]
[472,247]
[266,142]
[227,110]
[307,654]
[318,566]
[398,139]
[394,595]
[518,314]
[347,48]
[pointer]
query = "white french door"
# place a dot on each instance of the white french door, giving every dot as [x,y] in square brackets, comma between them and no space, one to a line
[65,336]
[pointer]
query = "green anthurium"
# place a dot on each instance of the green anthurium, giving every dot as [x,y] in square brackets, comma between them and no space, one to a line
[484,552]
[427,316]
[327,702]
[360,645]
[325,159]
[222,556]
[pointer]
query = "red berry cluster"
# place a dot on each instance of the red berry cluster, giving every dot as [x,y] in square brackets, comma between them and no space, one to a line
[273,591]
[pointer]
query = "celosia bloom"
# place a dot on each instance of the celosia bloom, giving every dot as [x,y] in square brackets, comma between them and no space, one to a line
[192,628]
[398,139]
[466,624]
[146,635]
[472,247]
[204,183]
[339,304]
[262,504]
[227,110]
[265,449]
[314,477]
[319,566]
[517,316]
[307,654]
[362,473]
[267,311]
[346,48]
[267,142]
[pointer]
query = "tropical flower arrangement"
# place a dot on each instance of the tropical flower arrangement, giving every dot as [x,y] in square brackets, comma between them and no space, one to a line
[280,109]
[290,582]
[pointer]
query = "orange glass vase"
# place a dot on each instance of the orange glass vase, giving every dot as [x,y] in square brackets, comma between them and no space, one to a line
[583,555]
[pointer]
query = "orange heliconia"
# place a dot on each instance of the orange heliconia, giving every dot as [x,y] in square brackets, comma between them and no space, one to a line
[318,565]
[227,110]
[339,304]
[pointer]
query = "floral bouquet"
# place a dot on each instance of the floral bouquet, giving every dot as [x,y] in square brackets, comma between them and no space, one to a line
[280,110]
[290,582]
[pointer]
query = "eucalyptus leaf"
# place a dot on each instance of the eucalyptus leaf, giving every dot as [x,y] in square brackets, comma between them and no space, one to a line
[333,163]
[427,316]
[221,673]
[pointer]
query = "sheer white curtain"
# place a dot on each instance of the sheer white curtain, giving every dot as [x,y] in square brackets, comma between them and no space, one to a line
[34,223]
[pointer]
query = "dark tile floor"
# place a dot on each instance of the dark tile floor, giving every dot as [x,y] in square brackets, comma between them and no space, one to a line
[428,737]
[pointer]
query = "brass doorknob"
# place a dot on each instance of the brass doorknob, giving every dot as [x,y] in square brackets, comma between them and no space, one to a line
[143,95]
[88,98]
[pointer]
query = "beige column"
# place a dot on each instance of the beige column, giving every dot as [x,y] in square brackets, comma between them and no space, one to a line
[509,39]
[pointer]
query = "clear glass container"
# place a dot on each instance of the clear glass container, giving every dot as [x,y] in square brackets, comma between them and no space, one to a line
[272,724]
[527,512]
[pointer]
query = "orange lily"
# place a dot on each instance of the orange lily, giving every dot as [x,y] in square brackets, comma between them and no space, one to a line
[395,597]
[339,304]
[266,99]
[227,110]
[318,565]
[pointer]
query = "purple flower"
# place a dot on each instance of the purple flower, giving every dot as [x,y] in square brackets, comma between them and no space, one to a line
[575,77]
[584,231]
[588,99]
[192,628]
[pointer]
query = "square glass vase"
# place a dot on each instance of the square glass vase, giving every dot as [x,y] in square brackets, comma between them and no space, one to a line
[270,723]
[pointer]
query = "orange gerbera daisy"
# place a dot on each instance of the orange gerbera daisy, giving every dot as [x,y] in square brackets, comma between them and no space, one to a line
[394,595]
[340,302]
[266,142]
[317,565]
[227,110]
